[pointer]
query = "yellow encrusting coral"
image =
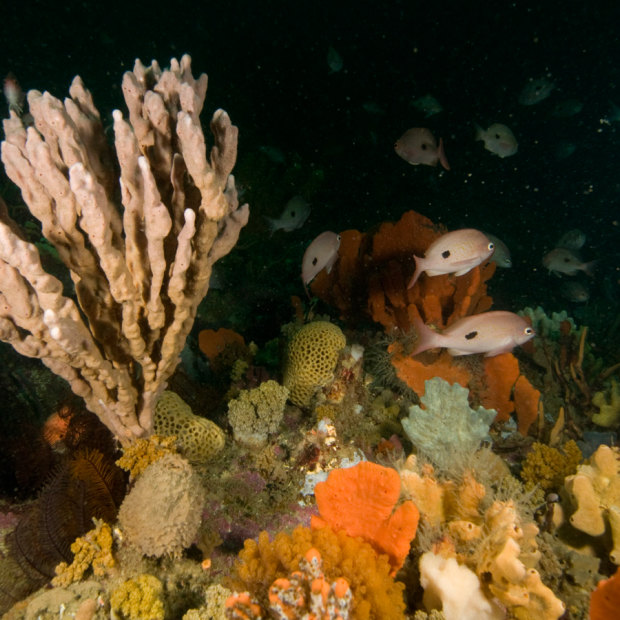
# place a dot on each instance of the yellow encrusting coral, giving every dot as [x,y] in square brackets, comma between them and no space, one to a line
[94,549]
[312,354]
[375,593]
[138,599]
[142,452]
[547,467]
[199,439]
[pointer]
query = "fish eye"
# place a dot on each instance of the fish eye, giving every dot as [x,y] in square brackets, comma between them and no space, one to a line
[528,331]
[424,146]
[497,136]
[491,246]
[338,237]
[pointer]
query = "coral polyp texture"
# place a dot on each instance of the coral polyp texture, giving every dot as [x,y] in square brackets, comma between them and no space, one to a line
[199,439]
[162,513]
[311,356]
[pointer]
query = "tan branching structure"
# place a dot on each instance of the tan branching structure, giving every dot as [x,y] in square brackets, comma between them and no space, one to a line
[138,272]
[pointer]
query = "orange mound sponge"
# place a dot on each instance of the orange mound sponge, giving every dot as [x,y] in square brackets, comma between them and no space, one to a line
[605,600]
[362,501]
[213,342]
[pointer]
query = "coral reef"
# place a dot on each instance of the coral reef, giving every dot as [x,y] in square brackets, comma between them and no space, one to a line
[162,513]
[445,429]
[495,542]
[142,452]
[87,485]
[257,413]
[546,467]
[93,550]
[455,590]
[363,501]
[608,403]
[138,598]
[199,439]
[311,357]
[373,270]
[375,593]
[305,593]
[595,492]
[498,384]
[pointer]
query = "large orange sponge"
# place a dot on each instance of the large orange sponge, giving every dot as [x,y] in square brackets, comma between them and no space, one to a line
[362,501]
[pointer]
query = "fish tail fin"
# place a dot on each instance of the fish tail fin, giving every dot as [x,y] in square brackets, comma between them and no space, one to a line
[589,268]
[443,160]
[272,224]
[427,338]
[416,274]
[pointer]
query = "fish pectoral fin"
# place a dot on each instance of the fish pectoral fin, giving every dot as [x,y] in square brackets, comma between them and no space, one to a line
[462,272]
[457,352]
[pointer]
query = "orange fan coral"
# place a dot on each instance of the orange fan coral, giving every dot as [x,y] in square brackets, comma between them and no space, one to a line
[361,501]
[374,268]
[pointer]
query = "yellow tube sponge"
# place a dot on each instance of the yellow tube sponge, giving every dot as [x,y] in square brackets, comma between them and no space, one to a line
[595,491]
[608,402]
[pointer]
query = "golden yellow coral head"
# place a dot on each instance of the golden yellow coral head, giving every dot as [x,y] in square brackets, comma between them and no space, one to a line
[311,359]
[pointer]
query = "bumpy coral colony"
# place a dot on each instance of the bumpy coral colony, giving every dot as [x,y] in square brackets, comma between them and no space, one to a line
[365,485]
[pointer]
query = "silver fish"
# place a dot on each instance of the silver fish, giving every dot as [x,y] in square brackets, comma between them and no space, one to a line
[419,146]
[564,262]
[498,139]
[455,252]
[490,333]
[321,254]
[293,216]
